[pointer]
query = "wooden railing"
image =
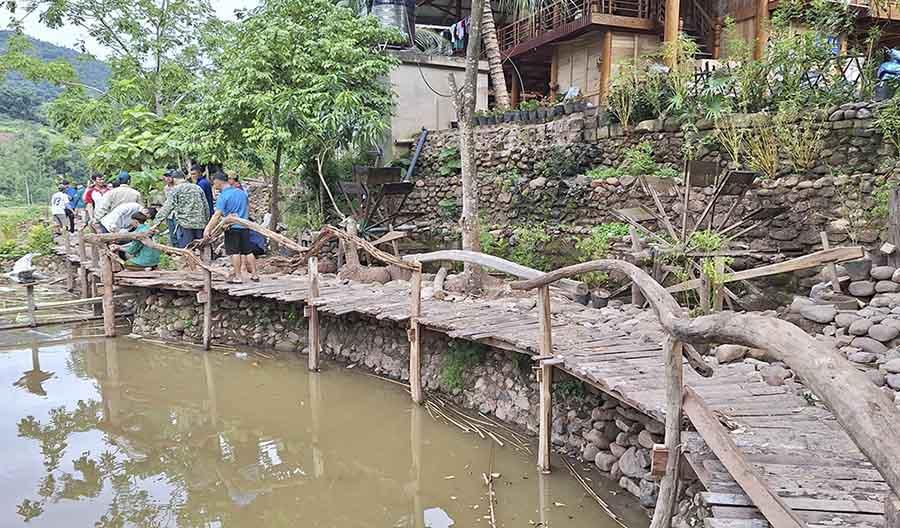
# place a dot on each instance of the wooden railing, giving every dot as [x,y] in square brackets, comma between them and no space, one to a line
[551,16]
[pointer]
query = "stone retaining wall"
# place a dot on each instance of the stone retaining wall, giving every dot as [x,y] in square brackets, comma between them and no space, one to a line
[513,190]
[587,424]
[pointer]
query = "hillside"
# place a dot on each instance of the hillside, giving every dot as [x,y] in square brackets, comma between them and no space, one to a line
[22,99]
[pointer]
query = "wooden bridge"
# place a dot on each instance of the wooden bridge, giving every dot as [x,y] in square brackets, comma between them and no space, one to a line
[785,460]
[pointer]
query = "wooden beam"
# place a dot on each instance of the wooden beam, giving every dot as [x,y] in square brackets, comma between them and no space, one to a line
[516,93]
[496,263]
[553,87]
[313,316]
[546,403]
[667,499]
[59,304]
[109,307]
[813,260]
[720,442]
[623,22]
[605,64]
[761,28]
[415,339]
[670,28]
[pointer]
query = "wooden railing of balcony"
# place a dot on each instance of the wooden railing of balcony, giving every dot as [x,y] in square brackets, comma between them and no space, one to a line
[560,17]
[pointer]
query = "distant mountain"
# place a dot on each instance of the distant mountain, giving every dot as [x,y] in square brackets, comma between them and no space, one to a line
[22,99]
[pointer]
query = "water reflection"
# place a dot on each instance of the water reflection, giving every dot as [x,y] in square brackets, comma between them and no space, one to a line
[126,434]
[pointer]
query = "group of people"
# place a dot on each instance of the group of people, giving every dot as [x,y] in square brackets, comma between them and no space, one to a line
[189,212]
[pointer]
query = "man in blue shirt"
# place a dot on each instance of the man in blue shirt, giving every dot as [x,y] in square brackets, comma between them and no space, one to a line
[202,181]
[234,202]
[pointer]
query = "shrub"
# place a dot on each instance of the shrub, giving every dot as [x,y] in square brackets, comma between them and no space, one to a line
[560,161]
[449,162]
[596,246]
[639,160]
[526,249]
[888,122]
[40,239]
[461,356]
[731,138]
[801,136]
[762,151]
[449,208]
[706,241]
[602,173]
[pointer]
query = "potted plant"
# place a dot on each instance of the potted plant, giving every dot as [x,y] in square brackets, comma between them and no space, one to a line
[529,109]
[481,117]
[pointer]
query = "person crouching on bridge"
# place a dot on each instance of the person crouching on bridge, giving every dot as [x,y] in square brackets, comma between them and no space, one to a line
[234,202]
[140,256]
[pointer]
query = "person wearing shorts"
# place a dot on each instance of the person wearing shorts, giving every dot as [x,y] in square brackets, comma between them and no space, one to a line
[234,202]
[59,204]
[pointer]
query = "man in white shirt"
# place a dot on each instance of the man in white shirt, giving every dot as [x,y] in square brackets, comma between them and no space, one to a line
[120,195]
[119,219]
[58,204]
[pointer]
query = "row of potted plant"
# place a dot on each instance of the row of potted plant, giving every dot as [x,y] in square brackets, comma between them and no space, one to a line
[531,111]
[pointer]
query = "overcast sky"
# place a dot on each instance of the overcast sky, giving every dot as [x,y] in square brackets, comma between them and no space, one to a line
[70,36]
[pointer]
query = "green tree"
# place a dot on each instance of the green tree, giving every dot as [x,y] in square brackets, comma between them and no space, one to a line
[296,80]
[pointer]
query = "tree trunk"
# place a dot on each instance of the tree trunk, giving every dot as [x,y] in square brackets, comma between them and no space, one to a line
[465,110]
[275,196]
[495,62]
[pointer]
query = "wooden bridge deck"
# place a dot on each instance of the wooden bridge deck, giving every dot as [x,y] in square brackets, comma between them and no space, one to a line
[797,447]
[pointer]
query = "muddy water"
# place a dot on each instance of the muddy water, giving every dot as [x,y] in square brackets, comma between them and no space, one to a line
[127,433]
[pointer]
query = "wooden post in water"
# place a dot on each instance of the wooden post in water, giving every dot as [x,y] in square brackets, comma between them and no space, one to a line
[82,267]
[546,373]
[668,488]
[313,317]
[109,306]
[95,255]
[29,297]
[415,338]
[637,297]
[207,306]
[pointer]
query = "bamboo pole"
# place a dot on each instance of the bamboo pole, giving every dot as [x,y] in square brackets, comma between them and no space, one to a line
[668,489]
[29,295]
[719,296]
[314,339]
[60,304]
[415,338]
[546,372]
[109,307]
[207,306]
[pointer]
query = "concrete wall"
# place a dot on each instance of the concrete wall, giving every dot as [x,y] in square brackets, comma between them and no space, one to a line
[417,104]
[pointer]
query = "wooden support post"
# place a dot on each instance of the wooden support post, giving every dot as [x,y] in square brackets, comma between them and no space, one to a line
[82,267]
[605,65]
[891,511]
[668,489]
[67,242]
[705,285]
[546,373]
[109,306]
[70,275]
[516,94]
[546,416]
[207,306]
[832,267]
[95,292]
[313,317]
[29,296]
[719,296]
[554,73]
[415,338]
[893,228]
[761,27]
[670,30]
[637,297]
[95,255]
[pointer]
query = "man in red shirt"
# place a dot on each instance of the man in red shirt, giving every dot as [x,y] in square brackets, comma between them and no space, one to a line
[94,194]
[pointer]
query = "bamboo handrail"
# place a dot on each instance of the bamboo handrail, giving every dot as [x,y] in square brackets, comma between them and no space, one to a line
[863,410]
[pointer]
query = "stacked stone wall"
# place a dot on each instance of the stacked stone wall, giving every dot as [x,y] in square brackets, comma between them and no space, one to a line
[513,191]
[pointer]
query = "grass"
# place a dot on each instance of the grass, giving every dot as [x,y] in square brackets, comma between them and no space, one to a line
[24,229]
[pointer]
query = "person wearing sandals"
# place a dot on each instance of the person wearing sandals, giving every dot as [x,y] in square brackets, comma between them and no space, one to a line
[233,201]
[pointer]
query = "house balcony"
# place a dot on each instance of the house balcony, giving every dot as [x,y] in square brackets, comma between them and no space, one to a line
[568,18]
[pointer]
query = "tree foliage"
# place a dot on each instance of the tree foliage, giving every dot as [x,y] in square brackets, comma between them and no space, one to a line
[296,80]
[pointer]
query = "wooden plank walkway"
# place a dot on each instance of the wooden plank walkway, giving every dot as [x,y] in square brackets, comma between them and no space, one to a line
[797,447]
